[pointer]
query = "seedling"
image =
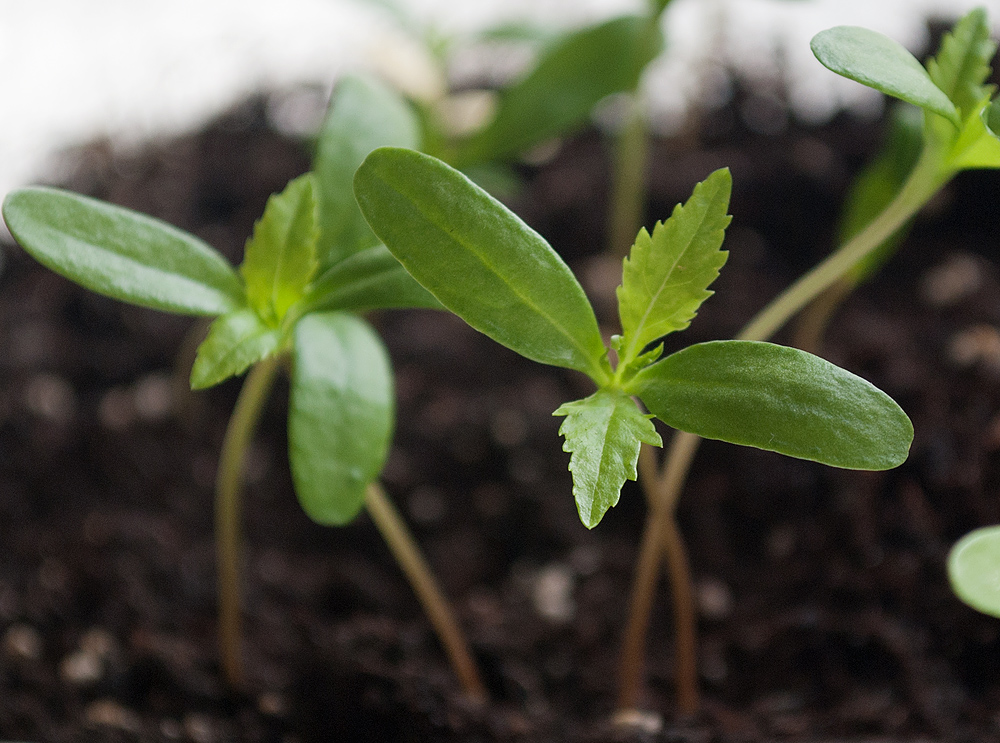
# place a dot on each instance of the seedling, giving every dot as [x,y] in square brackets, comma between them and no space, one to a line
[957,134]
[311,263]
[485,265]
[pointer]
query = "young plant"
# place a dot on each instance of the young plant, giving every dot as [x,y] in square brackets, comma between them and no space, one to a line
[958,121]
[485,265]
[310,265]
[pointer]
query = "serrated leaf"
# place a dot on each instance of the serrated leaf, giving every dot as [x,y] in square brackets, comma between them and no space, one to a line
[235,341]
[603,432]
[479,259]
[571,77]
[976,146]
[122,254]
[962,64]
[877,61]
[369,279]
[779,399]
[666,276]
[974,569]
[340,415]
[280,259]
[364,114]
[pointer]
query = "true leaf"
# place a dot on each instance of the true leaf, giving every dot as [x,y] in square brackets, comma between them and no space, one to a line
[879,62]
[603,433]
[235,341]
[369,279]
[976,146]
[364,114]
[666,275]
[479,259]
[962,64]
[776,398]
[280,258]
[122,254]
[560,92]
[340,417]
[974,569]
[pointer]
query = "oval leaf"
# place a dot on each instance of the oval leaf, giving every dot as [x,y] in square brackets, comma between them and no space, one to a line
[571,77]
[776,398]
[974,570]
[122,254]
[364,114]
[481,261]
[340,416]
[879,62]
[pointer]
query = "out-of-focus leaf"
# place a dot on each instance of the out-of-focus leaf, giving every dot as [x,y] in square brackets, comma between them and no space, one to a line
[235,341]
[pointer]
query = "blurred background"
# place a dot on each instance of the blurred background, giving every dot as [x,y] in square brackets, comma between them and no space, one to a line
[72,71]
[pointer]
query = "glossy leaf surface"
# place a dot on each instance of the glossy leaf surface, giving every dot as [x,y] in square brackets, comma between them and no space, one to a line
[776,398]
[666,275]
[280,258]
[560,92]
[479,259]
[974,569]
[234,342]
[340,417]
[122,254]
[877,61]
[603,433]
[364,114]
[369,279]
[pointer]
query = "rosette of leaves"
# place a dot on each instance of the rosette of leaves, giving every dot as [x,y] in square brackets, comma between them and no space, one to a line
[485,265]
[310,266]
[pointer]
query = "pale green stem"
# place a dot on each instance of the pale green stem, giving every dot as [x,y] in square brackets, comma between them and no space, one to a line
[628,185]
[925,180]
[405,550]
[228,491]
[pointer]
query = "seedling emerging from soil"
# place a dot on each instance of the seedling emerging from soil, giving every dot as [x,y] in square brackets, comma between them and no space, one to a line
[311,263]
[485,265]
[959,120]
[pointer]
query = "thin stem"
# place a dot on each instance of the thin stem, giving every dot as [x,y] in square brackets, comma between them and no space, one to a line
[628,194]
[228,491]
[661,533]
[405,550]
[925,180]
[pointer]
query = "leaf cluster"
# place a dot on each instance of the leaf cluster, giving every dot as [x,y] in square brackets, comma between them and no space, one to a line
[501,277]
[311,262]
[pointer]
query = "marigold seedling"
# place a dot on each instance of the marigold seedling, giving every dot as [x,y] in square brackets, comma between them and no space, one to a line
[310,264]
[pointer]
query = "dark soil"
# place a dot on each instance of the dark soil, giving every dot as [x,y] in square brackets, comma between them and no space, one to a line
[825,613]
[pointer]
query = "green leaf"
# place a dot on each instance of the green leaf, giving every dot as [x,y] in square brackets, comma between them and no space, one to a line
[877,61]
[340,416]
[559,94]
[364,114]
[121,253]
[776,398]
[974,569]
[369,279]
[280,259]
[962,63]
[666,276]
[481,261]
[603,432]
[976,146]
[234,342]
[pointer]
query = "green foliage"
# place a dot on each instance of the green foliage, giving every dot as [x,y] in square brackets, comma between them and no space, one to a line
[779,399]
[962,64]
[125,255]
[489,268]
[603,432]
[974,569]
[311,260]
[666,276]
[560,92]
[479,259]
[341,413]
